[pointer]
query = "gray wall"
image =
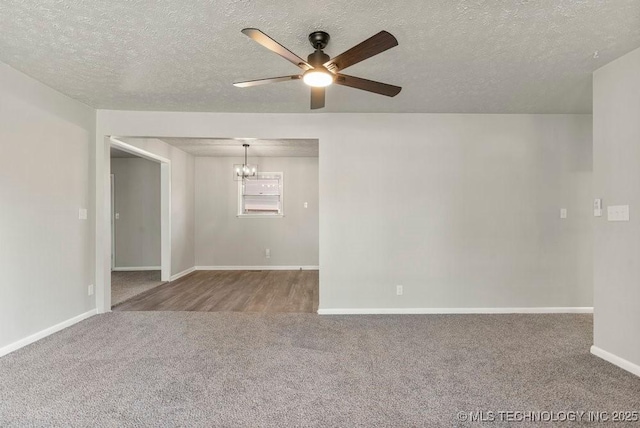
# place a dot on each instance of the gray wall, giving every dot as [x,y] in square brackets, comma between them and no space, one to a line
[616,140]
[137,201]
[46,252]
[463,210]
[223,239]
[182,199]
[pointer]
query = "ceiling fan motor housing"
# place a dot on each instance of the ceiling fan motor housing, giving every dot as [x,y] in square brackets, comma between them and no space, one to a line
[319,39]
[317,58]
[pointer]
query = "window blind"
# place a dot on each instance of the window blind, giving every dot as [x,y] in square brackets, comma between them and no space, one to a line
[270,186]
[262,195]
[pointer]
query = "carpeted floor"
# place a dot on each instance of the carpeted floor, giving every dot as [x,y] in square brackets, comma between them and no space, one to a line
[125,285]
[199,369]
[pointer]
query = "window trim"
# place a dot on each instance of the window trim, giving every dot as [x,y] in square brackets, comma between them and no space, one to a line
[281,214]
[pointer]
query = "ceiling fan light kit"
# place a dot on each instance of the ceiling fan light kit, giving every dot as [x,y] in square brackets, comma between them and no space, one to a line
[320,70]
[317,78]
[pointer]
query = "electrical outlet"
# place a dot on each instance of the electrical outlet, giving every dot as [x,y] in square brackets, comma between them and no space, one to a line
[306,205]
[90,290]
[563,213]
[267,253]
[399,290]
[82,213]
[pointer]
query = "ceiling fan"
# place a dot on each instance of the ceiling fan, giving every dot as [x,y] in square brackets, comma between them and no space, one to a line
[320,71]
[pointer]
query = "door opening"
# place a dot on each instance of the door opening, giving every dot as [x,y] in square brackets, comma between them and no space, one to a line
[109,254]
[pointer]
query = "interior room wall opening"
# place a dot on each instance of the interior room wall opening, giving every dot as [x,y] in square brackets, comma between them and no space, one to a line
[136,252]
[135,225]
[256,228]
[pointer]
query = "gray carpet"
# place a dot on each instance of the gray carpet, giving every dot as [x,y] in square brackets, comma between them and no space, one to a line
[125,285]
[127,369]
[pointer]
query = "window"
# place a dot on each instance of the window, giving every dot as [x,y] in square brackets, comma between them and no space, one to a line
[261,196]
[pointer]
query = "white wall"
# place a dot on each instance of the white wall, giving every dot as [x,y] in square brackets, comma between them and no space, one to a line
[616,140]
[46,252]
[223,239]
[463,210]
[137,202]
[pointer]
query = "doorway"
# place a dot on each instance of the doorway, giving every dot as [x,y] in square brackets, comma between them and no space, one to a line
[135,225]
[138,277]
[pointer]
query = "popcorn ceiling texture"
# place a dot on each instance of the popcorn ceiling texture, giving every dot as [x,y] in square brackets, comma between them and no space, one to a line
[464,56]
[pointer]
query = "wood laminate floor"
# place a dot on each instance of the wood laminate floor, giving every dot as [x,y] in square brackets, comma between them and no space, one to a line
[232,291]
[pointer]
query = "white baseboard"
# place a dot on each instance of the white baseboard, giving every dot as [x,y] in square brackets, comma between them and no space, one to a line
[183,273]
[135,268]
[46,332]
[615,360]
[192,269]
[257,268]
[542,310]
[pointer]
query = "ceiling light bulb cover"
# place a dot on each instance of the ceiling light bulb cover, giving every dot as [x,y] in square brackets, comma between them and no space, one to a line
[317,78]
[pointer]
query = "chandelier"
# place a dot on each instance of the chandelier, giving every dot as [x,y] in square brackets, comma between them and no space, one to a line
[246,170]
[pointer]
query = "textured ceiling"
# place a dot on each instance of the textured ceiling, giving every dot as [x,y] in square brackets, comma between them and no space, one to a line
[232,147]
[509,56]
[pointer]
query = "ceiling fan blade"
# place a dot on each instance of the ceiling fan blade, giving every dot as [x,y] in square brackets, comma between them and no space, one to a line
[368,85]
[276,47]
[257,82]
[317,98]
[370,47]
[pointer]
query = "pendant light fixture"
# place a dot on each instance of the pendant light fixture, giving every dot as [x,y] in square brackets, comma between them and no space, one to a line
[246,170]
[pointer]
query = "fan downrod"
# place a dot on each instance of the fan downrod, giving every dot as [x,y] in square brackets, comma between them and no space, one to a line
[319,39]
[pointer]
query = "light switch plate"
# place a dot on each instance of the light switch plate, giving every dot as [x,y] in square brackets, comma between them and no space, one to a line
[618,213]
[597,207]
[82,213]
